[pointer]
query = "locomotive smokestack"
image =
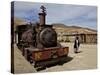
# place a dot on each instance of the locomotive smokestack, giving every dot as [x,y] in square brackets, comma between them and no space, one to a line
[42,15]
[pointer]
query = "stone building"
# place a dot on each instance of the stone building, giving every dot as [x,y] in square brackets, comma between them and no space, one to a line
[84,38]
[69,34]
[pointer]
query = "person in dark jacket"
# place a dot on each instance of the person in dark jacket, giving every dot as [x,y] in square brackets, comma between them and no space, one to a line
[76,45]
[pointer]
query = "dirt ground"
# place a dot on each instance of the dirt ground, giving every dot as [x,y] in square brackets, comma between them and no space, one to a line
[20,63]
[86,59]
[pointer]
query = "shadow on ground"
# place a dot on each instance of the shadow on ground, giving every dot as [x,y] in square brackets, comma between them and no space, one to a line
[78,52]
[61,62]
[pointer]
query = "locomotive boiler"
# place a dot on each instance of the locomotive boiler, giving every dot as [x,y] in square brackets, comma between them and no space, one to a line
[38,43]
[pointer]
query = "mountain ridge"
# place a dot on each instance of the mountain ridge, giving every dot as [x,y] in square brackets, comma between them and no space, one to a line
[72,26]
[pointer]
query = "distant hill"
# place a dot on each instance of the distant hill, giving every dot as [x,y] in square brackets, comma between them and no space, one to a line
[61,27]
[72,29]
[18,21]
[58,25]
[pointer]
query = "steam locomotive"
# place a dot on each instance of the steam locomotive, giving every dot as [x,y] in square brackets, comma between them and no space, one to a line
[38,43]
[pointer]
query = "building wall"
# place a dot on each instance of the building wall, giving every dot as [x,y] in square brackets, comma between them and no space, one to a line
[91,38]
[84,38]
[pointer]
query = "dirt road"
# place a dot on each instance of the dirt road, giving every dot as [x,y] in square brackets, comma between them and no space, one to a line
[86,59]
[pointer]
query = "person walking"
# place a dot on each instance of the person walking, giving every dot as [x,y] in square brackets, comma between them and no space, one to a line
[76,44]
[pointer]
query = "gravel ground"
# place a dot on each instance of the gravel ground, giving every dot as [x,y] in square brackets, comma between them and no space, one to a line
[86,59]
[20,63]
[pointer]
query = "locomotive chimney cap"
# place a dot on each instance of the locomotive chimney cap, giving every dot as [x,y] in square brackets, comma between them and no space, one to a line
[42,9]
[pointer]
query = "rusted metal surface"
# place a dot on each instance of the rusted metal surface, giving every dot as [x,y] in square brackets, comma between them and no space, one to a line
[27,36]
[48,53]
[63,51]
[41,55]
[42,15]
[48,37]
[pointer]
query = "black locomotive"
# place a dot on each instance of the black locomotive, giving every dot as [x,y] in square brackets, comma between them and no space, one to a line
[38,42]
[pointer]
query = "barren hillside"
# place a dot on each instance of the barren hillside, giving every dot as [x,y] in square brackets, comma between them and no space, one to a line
[73,29]
[61,27]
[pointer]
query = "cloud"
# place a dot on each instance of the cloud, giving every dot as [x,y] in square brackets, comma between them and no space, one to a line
[85,16]
[26,10]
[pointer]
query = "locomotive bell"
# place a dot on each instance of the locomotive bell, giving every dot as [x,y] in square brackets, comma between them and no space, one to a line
[42,15]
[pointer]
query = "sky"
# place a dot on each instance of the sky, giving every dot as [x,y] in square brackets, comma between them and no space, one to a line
[71,15]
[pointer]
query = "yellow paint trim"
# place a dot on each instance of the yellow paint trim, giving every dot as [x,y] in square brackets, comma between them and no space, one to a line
[38,56]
